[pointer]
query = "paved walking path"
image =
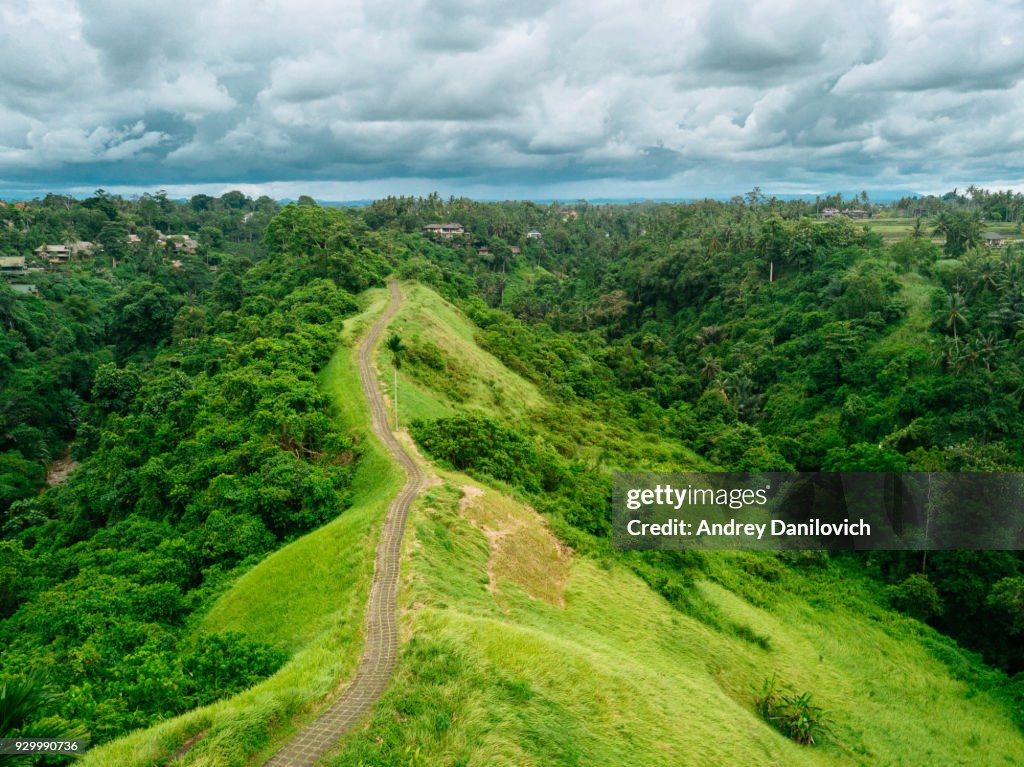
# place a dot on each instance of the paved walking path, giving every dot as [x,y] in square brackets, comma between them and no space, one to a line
[306,748]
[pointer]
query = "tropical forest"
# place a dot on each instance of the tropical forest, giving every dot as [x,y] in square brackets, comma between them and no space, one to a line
[195,480]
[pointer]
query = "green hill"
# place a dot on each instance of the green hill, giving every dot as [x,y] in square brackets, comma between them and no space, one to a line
[522,651]
[307,597]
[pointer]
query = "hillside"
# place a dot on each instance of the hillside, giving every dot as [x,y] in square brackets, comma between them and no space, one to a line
[195,590]
[519,650]
[308,597]
[523,652]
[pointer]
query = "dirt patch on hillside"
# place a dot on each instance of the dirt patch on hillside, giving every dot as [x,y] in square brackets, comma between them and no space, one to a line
[522,548]
[59,471]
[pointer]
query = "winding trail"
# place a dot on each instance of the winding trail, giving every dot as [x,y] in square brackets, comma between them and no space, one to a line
[381,650]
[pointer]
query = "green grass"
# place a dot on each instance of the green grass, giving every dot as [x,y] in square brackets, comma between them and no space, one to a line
[472,379]
[309,597]
[618,677]
[916,293]
[518,657]
[894,229]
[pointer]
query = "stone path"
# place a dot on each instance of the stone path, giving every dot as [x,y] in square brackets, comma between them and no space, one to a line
[381,650]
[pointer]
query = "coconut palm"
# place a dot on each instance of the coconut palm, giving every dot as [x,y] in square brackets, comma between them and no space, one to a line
[962,231]
[712,368]
[956,317]
[710,334]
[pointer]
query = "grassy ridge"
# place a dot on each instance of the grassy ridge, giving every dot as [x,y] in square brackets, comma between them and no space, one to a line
[517,655]
[520,653]
[308,597]
[494,676]
[459,376]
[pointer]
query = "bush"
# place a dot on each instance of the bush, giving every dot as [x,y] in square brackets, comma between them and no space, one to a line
[229,662]
[917,597]
[795,716]
[469,442]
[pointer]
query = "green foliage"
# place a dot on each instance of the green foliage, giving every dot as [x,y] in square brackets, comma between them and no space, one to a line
[917,597]
[308,242]
[1007,598]
[864,457]
[915,253]
[474,442]
[143,315]
[567,489]
[19,477]
[961,228]
[396,346]
[795,716]
[114,388]
[27,704]
[226,663]
[206,445]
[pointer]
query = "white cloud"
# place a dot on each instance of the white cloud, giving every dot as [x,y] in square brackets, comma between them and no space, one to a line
[567,94]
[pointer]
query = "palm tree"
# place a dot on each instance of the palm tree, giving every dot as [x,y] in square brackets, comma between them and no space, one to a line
[956,317]
[712,368]
[710,334]
[744,396]
[988,347]
[961,228]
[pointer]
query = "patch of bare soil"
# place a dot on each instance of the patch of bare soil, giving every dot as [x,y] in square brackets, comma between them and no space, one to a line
[60,470]
[522,548]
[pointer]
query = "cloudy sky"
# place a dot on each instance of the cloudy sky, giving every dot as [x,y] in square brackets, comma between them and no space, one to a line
[562,98]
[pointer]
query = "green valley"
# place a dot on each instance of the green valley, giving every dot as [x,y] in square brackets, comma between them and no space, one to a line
[195,591]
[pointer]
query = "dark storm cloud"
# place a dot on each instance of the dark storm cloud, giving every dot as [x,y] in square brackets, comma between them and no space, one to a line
[669,98]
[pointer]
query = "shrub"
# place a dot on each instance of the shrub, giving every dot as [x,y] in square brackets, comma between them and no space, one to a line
[917,596]
[795,716]
[229,662]
[475,442]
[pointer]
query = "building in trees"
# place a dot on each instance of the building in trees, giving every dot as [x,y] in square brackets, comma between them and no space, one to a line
[12,265]
[61,254]
[447,231]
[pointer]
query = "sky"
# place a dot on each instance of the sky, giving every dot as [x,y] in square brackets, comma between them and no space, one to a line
[565,99]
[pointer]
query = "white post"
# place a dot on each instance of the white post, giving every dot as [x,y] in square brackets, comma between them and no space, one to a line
[396,397]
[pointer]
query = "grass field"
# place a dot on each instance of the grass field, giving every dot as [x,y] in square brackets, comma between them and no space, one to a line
[893,229]
[309,597]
